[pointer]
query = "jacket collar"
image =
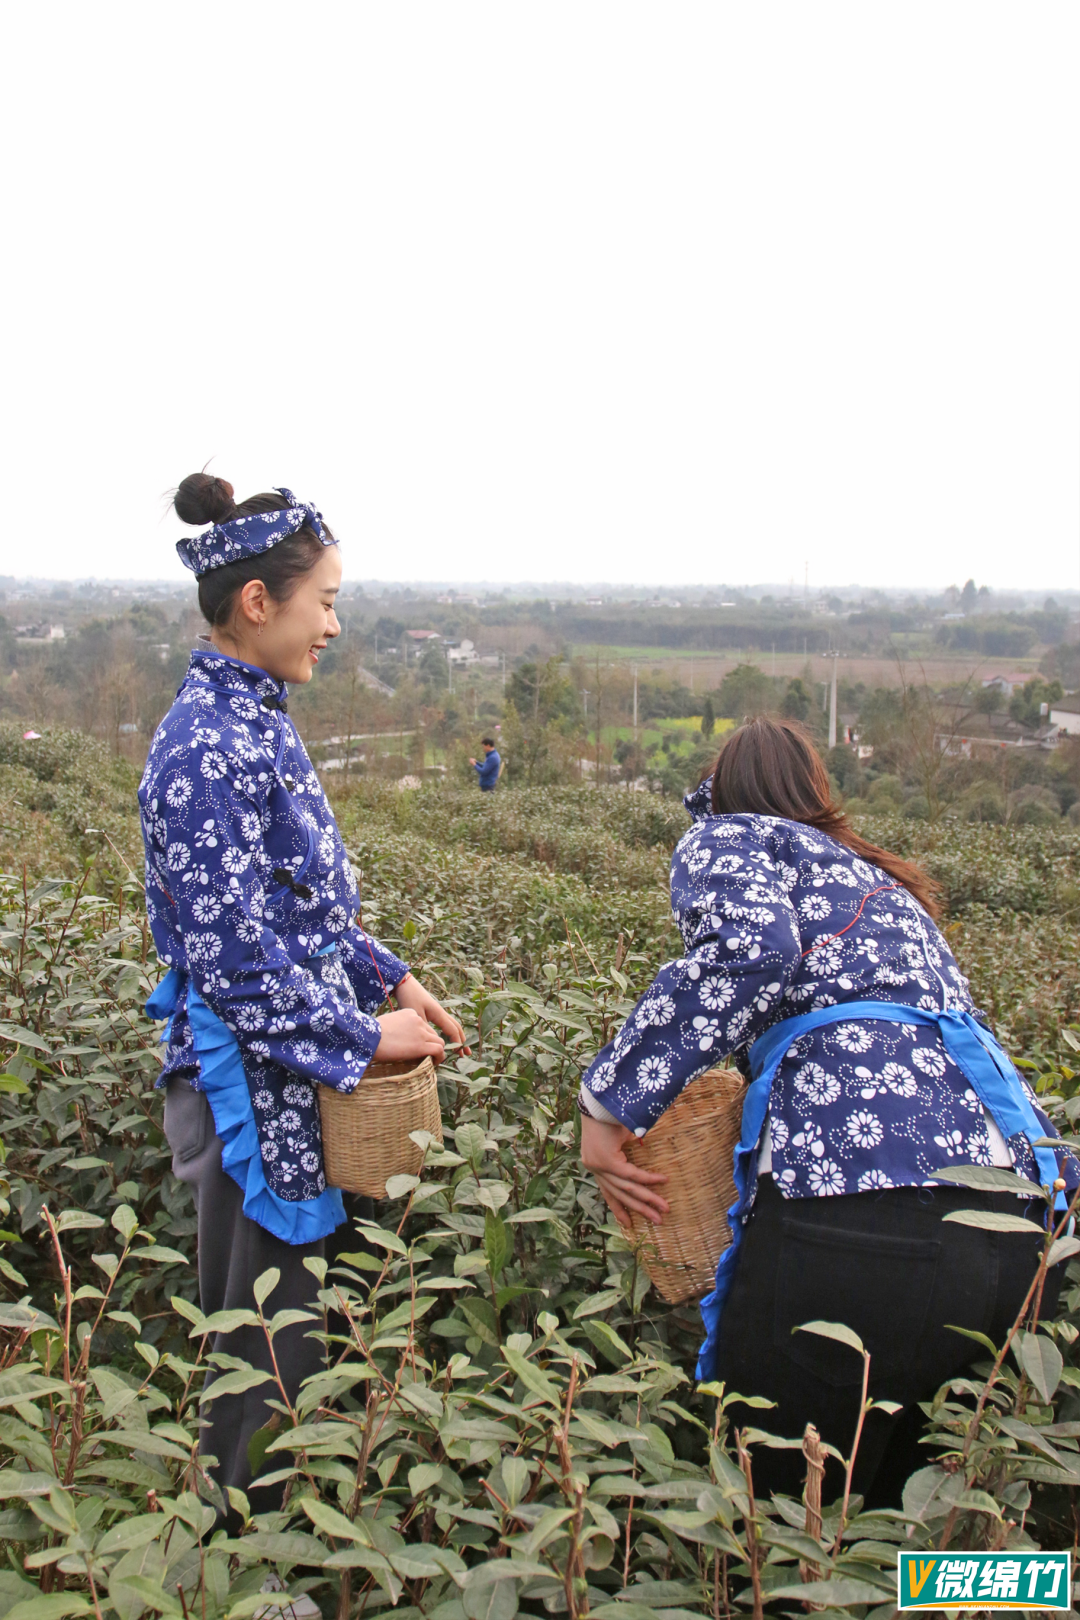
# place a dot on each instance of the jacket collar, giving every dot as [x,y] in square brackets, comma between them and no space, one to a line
[698,803]
[210,667]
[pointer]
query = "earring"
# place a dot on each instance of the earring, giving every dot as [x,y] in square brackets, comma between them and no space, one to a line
[261,623]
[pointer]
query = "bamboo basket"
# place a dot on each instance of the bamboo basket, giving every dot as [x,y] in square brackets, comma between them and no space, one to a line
[366,1132]
[693,1142]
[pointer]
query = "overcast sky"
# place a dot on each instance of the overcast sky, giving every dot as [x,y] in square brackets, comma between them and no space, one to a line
[579,290]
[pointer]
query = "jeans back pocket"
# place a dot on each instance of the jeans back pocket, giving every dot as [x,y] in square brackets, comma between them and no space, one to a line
[878,1286]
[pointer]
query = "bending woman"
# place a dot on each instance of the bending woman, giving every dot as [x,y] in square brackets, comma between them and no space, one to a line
[272,987]
[815,959]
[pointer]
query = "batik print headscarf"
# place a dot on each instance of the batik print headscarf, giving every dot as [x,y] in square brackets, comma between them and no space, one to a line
[250,536]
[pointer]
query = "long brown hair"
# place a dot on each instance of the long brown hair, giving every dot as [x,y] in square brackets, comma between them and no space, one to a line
[771,768]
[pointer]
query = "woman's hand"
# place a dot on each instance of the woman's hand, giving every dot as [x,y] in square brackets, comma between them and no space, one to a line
[411,993]
[625,1187]
[407,1036]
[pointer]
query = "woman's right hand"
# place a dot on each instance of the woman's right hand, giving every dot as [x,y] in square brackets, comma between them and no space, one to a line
[625,1186]
[405,1036]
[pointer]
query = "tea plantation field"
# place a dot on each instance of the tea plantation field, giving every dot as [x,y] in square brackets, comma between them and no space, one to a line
[508,1421]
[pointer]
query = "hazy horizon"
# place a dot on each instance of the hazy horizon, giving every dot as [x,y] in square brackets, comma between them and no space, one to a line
[781,590]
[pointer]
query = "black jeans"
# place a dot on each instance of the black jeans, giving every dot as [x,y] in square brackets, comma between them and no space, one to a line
[884,1264]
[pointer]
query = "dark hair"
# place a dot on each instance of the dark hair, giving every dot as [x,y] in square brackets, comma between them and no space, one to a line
[203,499]
[487,742]
[771,768]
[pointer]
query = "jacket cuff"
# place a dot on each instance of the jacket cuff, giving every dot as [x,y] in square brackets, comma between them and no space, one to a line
[588,1104]
[364,1046]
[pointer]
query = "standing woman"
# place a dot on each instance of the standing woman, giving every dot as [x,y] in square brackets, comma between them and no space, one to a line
[273,986]
[815,959]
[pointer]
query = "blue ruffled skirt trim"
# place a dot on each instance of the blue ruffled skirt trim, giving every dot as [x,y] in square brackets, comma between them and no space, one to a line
[222,1077]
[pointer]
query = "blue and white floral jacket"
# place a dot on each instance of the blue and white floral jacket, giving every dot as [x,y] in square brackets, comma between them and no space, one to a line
[778,919]
[250,895]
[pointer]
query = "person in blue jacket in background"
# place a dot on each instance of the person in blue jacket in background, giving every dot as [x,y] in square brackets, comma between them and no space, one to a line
[813,960]
[487,769]
[272,987]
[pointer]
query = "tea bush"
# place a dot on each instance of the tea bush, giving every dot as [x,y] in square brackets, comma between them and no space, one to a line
[507,1421]
[64,800]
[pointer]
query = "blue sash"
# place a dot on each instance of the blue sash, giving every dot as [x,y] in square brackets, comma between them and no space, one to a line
[222,1077]
[973,1048]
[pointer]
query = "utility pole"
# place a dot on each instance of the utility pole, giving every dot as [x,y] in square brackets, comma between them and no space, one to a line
[504,672]
[449,671]
[832,703]
[635,702]
[599,733]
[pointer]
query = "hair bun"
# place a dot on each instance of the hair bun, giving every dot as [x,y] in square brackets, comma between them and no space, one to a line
[202,499]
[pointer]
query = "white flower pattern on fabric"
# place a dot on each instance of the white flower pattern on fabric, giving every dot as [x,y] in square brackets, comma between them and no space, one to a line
[715,992]
[855,1106]
[659,1010]
[179,792]
[853,1037]
[654,1073]
[298,1018]
[816,1086]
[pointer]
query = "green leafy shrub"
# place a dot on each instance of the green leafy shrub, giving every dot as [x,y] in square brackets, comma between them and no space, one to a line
[507,1421]
[64,801]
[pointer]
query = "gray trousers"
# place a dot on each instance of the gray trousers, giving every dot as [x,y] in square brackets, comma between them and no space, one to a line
[232,1252]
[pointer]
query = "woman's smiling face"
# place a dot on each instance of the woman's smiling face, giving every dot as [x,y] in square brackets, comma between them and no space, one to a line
[286,638]
[297,630]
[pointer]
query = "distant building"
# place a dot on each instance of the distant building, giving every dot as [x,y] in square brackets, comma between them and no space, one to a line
[979,736]
[1008,684]
[462,653]
[1065,714]
[39,632]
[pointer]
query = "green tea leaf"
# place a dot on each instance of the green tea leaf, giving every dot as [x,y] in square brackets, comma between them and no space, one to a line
[235,1383]
[533,1377]
[1042,1361]
[982,1178]
[265,1284]
[497,1245]
[833,1330]
[333,1523]
[992,1220]
[401,1186]
[423,1477]
[55,1606]
[481,1317]
[75,1220]
[223,1322]
[608,1342]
